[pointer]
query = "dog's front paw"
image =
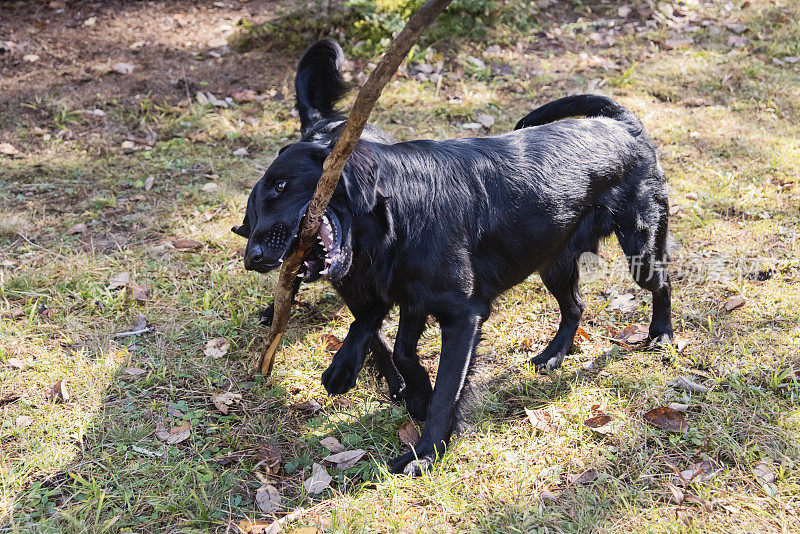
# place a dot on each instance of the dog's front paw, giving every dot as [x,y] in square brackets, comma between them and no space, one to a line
[415,462]
[659,342]
[340,377]
[548,359]
[265,318]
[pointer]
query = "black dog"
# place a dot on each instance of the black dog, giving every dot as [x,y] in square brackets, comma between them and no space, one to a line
[443,228]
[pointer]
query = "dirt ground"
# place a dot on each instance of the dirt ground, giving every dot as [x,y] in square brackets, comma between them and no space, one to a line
[168,44]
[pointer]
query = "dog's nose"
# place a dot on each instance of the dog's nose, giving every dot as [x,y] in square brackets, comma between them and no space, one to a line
[253,257]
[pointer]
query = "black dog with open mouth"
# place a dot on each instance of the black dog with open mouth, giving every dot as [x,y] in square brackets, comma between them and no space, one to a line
[443,228]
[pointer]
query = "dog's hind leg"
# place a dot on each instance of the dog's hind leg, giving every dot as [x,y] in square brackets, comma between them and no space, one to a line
[382,355]
[561,279]
[644,238]
[418,390]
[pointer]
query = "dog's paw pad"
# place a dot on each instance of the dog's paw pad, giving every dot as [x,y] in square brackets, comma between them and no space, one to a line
[410,465]
[339,378]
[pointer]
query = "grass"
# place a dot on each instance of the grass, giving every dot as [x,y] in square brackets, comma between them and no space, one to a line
[727,126]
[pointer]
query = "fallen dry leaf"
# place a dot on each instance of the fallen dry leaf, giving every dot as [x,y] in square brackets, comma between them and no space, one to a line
[581,333]
[632,334]
[626,303]
[736,301]
[119,280]
[331,343]
[311,406]
[587,477]
[408,433]
[305,530]
[270,456]
[686,384]
[18,363]
[137,292]
[319,480]
[677,493]
[148,183]
[699,472]
[176,434]
[540,420]
[122,68]
[186,245]
[217,347]
[134,371]
[764,473]
[223,401]
[246,95]
[599,423]
[268,499]
[59,392]
[332,444]
[23,421]
[345,459]
[259,527]
[8,149]
[240,152]
[79,228]
[667,419]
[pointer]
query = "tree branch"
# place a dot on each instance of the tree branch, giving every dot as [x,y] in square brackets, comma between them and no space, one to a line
[333,166]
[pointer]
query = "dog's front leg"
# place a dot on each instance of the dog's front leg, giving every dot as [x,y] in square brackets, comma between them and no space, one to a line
[459,338]
[340,376]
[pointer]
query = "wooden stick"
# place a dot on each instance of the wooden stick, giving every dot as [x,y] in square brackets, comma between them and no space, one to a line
[332,170]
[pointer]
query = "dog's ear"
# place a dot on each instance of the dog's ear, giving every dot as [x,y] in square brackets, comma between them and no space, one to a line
[283,148]
[244,229]
[361,181]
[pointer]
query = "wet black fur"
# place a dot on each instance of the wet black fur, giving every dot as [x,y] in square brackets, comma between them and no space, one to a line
[442,228]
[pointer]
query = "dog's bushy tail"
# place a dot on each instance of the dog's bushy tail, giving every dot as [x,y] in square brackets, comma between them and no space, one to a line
[582,106]
[319,84]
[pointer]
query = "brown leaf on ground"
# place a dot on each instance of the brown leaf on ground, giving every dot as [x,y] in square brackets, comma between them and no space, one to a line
[581,333]
[586,477]
[79,228]
[599,423]
[174,435]
[764,473]
[408,433]
[259,527]
[174,412]
[148,183]
[247,95]
[187,245]
[19,363]
[122,68]
[310,406]
[140,293]
[699,472]
[23,421]
[8,149]
[632,334]
[9,397]
[270,457]
[319,480]
[268,499]
[306,530]
[667,419]
[736,301]
[224,401]
[332,444]
[217,347]
[686,384]
[118,281]
[677,493]
[134,371]
[331,343]
[345,459]
[59,392]
[540,420]
[626,303]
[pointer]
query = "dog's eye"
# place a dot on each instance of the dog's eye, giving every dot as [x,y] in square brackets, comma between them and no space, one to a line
[279,186]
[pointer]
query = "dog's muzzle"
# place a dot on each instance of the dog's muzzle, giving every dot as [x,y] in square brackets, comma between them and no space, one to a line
[267,253]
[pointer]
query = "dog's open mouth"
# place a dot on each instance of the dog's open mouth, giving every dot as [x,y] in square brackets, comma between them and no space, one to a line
[325,257]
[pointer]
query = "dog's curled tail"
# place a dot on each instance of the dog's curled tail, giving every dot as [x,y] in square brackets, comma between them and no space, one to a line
[582,106]
[319,84]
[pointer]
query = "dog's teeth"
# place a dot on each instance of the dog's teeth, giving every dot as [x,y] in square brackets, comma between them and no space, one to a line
[280,260]
[300,275]
[324,271]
